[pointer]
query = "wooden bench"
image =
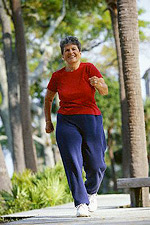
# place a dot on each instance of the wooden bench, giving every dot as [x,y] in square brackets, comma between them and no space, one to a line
[136,186]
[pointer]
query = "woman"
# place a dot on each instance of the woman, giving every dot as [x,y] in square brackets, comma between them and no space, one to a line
[79,132]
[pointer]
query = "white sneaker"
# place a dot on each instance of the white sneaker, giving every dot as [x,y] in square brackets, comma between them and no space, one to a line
[93,202]
[82,210]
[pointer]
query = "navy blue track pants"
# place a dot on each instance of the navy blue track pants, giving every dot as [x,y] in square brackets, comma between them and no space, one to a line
[81,142]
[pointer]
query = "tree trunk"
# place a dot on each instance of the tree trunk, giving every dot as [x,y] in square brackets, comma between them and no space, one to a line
[112,5]
[129,41]
[29,150]
[13,95]
[4,109]
[5,183]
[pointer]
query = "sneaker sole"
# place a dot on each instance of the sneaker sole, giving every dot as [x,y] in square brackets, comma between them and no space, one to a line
[83,215]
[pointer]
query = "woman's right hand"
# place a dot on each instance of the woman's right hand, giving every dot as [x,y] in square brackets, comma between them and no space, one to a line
[49,127]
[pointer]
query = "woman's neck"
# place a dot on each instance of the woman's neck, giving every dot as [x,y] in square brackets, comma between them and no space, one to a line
[72,67]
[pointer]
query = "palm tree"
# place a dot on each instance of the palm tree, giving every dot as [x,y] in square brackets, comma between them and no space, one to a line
[13,114]
[129,42]
[29,149]
[112,6]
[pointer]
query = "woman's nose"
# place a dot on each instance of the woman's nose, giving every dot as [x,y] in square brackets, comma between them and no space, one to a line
[70,51]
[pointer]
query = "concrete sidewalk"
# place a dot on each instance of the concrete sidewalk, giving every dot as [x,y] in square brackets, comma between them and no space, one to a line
[112,209]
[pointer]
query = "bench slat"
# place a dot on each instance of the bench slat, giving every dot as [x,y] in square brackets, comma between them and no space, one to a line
[133,182]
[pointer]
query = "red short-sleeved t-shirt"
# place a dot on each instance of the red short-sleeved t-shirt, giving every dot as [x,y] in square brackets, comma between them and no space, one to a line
[75,92]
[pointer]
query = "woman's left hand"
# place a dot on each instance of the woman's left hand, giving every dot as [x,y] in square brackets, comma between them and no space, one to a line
[99,84]
[96,81]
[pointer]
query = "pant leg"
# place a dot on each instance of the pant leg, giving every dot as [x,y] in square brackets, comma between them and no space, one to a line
[93,149]
[69,141]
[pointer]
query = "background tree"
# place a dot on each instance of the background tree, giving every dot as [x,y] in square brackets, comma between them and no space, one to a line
[4,106]
[15,134]
[110,108]
[112,6]
[129,40]
[29,150]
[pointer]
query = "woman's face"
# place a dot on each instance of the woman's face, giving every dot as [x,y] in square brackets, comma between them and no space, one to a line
[71,54]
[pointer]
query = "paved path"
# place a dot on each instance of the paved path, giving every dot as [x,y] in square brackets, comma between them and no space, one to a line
[112,210]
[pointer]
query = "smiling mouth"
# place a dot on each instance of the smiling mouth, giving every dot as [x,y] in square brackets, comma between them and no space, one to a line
[71,57]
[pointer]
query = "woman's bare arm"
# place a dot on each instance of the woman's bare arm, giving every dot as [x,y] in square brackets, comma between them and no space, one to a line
[47,110]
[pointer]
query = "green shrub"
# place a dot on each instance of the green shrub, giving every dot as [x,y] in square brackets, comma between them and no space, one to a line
[34,191]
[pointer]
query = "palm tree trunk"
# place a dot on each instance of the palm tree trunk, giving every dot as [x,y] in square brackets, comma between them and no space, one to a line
[29,150]
[112,6]
[13,95]
[129,41]
[4,109]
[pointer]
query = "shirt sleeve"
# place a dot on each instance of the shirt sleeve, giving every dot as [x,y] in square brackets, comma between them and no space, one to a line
[52,85]
[93,71]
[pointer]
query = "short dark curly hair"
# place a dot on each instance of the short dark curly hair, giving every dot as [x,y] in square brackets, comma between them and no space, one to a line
[69,40]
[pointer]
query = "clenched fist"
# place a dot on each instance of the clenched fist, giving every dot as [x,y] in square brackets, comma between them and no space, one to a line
[99,84]
[49,127]
[96,81]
